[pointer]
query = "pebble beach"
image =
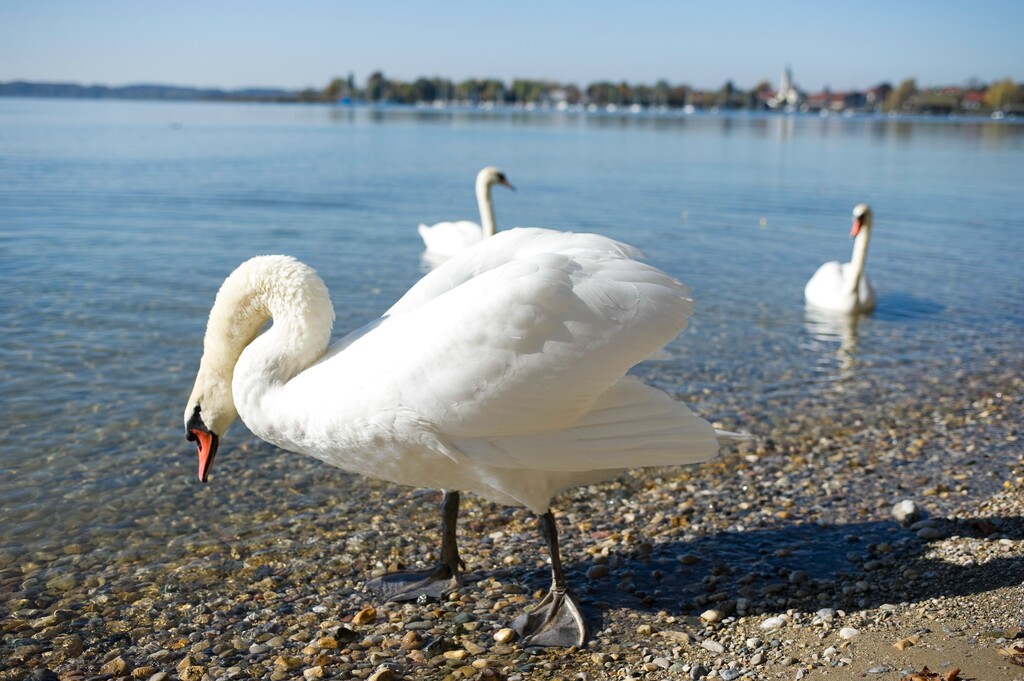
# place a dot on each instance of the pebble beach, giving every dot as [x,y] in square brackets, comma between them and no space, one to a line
[870,542]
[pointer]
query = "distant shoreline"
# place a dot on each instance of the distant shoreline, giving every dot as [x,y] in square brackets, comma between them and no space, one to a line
[488,108]
[849,104]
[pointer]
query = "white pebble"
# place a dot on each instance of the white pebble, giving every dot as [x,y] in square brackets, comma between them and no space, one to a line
[848,632]
[906,512]
[714,646]
[825,614]
[773,623]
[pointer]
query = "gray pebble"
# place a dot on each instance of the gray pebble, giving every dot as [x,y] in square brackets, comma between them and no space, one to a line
[928,533]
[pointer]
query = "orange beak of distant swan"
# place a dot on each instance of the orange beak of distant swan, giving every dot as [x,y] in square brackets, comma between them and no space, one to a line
[855,230]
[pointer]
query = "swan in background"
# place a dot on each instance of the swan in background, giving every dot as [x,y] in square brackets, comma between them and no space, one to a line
[502,373]
[446,239]
[844,287]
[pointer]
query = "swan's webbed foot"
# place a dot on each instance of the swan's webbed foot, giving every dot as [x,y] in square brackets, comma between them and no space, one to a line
[555,621]
[434,584]
[411,585]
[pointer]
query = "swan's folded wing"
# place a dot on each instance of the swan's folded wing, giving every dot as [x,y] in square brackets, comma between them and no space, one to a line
[630,425]
[500,249]
[524,347]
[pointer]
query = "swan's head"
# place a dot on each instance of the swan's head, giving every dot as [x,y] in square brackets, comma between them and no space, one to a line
[861,219]
[266,287]
[490,176]
[210,411]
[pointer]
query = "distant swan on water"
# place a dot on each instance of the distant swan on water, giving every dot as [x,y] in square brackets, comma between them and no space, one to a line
[844,287]
[502,373]
[446,239]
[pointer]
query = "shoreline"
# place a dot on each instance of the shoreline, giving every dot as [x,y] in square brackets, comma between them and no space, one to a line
[791,541]
[575,111]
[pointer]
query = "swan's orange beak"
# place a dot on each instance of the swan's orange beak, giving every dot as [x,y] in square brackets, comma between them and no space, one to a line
[206,443]
[855,229]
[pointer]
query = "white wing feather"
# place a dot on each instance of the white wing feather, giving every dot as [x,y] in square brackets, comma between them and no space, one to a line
[506,348]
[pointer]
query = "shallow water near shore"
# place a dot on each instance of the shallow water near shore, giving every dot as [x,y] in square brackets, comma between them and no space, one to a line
[119,220]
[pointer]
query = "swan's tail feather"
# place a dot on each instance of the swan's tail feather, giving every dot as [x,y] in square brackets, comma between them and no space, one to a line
[632,425]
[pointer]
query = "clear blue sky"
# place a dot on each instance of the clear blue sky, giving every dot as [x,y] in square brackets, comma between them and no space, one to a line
[300,43]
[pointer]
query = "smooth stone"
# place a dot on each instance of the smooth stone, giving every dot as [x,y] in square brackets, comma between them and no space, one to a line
[928,533]
[826,614]
[713,646]
[906,512]
[365,616]
[848,632]
[505,635]
[712,616]
[419,625]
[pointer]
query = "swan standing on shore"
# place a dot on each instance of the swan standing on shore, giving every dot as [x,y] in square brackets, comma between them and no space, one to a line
[844,287]
[446,239]
[502,373]
[442,241]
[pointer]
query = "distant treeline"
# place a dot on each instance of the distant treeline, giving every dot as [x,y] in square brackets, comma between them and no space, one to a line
[1003,95]
[976,97]
[73,90]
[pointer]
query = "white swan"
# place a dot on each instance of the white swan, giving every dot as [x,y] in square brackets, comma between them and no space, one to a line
[501,373]
[446,239]
[845,287]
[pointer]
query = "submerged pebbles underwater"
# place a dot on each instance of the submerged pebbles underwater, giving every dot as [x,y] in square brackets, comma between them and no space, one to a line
[852,542]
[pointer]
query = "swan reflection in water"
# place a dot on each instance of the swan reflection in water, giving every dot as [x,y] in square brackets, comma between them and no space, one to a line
[827,328]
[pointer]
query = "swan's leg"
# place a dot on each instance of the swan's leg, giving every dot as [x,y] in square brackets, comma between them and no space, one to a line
[431,584]
[556,620]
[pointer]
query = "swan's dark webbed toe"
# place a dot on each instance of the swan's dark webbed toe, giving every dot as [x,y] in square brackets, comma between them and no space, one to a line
[556,621]
[432,584]
[410,585]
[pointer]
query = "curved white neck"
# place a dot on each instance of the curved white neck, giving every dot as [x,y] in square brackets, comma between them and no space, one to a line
[265,288]
[860,256]
[483,201]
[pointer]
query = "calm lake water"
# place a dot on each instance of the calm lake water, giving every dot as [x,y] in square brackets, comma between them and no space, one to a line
[119,220]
